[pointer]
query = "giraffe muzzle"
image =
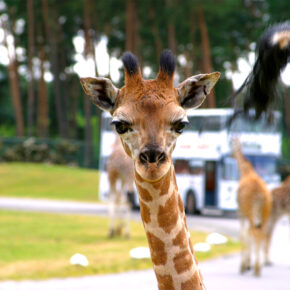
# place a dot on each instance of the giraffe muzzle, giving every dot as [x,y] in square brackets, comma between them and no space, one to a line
[152,156]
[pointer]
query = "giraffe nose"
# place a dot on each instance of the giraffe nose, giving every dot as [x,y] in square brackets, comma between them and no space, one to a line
[152,155]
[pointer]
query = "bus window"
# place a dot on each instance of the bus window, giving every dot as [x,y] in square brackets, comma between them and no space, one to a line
[192,167]
[266,166]
[206,123]
[181,166]
[196,167]
[230,169]
[210,183]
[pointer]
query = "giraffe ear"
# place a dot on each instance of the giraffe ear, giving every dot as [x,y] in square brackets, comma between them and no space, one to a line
[193,91]
[101,92]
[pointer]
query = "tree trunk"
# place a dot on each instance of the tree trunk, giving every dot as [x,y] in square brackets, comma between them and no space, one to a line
[14,83]
[50,22]
[16,98]
[132,28]
[207,65]
[42,116]
[89,53]
[171,27]
[31,97]
[190,53]
[74,94]
[155,32]
[129,45]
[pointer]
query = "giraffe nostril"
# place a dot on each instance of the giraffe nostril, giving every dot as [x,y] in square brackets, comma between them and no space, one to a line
[162,157]
[143,158]
[152,156]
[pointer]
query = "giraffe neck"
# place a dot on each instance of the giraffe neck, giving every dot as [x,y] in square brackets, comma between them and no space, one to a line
[245,167]
[164,221]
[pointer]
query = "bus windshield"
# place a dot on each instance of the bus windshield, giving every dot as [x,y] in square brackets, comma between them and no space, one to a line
[206,123]
[266,166]
[256,126]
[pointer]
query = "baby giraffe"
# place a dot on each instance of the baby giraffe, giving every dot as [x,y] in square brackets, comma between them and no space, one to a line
[255,201]
[121,179]
[281,206]
[149,115]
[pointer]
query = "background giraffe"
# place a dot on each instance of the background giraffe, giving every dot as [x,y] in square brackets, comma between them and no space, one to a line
[149,115]
[281,206]
[121,178]
[254,201]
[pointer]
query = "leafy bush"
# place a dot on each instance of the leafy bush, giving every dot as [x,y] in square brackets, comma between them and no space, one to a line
[32,150]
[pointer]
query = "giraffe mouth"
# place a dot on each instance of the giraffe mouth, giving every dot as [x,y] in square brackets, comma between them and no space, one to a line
[152,172]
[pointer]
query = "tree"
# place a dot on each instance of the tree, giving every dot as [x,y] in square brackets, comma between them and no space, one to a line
[89,55]
[13,76]
[207,64]
[52,33]
[31,97]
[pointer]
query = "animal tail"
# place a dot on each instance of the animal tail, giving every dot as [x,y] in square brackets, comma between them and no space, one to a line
[273,52]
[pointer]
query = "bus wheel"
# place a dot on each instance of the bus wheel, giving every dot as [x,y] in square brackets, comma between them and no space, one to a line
[190,203]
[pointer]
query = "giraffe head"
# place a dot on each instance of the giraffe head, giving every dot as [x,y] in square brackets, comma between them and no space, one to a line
[149,115]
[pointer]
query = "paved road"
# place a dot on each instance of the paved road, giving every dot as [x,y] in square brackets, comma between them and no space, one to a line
[219,274]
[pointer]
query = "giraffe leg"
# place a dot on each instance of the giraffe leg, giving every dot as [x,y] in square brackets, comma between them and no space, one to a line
[127,215]
[245,239]
[257,247]
[268,236]
[112,214]
[119,228]
[112,203]
[248,249]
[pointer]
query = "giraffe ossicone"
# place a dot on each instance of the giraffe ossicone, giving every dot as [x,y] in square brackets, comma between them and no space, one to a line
[149,115]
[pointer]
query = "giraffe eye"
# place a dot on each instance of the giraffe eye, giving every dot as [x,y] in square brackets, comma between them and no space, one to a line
[121,126]
[179,126]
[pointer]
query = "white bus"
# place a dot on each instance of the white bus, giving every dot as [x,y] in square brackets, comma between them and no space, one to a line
[207,175]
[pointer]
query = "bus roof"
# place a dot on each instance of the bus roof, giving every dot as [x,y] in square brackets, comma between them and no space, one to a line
[200,112]
[210,112]
[207,112]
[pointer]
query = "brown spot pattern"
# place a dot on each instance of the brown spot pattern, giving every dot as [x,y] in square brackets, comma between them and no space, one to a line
[163,183]
[158,254]
[180,239]
[183,261]
[168,214]
[145,212]
[192,283]
[144,194]
[165,282]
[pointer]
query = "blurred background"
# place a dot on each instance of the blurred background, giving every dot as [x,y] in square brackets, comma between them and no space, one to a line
[51,135]
[45,46]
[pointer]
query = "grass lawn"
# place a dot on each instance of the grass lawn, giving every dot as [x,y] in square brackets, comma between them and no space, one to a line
[39,246]
[48,181]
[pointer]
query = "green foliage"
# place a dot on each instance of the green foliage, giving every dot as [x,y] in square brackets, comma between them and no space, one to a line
[32,150]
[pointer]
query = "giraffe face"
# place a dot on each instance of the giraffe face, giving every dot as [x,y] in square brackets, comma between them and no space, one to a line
[149,120]
[149,115]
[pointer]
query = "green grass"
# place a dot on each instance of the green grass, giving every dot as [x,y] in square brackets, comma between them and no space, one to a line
[48,181]
[39,246]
